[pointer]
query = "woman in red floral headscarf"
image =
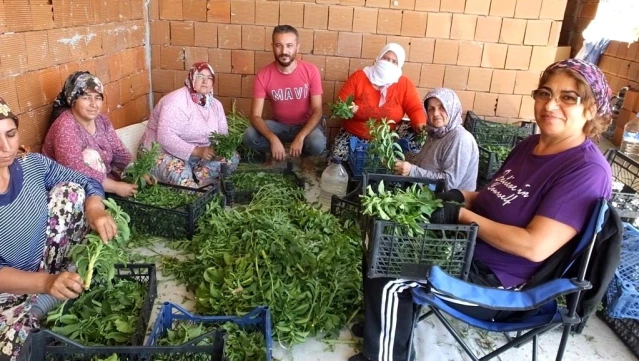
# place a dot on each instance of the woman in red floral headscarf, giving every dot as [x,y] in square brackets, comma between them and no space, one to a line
[181,123]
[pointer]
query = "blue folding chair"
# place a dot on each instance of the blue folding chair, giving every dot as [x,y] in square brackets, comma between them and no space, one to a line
[573,280]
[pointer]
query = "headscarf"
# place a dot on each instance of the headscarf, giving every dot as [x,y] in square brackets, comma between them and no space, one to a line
[204,100]
[384,73]
[75,85]
[6,113]
[595,79]
[453,107]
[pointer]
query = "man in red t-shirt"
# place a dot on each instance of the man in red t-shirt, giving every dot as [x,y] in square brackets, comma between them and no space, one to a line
[294,88]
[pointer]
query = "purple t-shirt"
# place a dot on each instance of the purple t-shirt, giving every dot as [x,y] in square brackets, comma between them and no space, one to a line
[564,187]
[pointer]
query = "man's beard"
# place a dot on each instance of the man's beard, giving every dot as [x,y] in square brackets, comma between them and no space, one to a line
[290,58]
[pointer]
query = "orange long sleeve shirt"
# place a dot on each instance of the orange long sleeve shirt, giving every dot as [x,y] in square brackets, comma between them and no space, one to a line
[401,98]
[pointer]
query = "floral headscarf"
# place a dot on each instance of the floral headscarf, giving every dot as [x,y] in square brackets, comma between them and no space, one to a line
[204,100]
[75,86]
[6,113]
[595,79]
[453,107]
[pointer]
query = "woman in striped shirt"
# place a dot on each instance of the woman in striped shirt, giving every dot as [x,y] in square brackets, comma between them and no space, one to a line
[44,209]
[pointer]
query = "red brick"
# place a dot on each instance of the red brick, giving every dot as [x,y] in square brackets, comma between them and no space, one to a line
[115,67]
[126,92]
[542,56]
[412,71]
[33,127]
[42,16]
[357,64]
[124,7]
[452,6]
[485,104]
[50,83]
[194,55]
[242,62]
[182,33]
[137,9]
[365,20]
[18,15]
[488,29]
[503,8]
[389,22]
[588,10]
[267,13]
[341,18]
[128,62]
[62,14]
[37,49]
[219,11]
[243,12]
[229,36]
[479,79]
[526,82]
[527,109]
[432,76]
[140,58]
[325,42]
[470,53]
[253,37]
[137,34]
[315,16]
[194,10]
[426,49]
[353,2]
[170,10]
[463,27]
[220,59]
[467,99]
[329,91]
[438,25]
[29,91]
[138,81]
[553,9]
[206,35]
[319,61]
[477,7]
[414,23]
[512,31]
[349,44]
[179,76]
[292,14]
[378,3]
[508,105]
[102,68]
[555,33]
[371,45]
[9,94]
[402,41]
[537,32]
[172,57]
[446,51]
[427,5]
[13,53]
[230,85]
[247,85]
[88,65]
[336,68]
[528,9]
[306,40]
[503,81]
[456,77]
[518,57]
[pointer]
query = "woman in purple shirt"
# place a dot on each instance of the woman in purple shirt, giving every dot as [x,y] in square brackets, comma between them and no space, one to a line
[540,199]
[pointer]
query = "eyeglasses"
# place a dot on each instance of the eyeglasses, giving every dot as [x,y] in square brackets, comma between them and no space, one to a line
[543,95]
[203,77]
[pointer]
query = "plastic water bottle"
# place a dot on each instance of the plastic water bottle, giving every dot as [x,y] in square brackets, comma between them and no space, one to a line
[334,181]
[630,142]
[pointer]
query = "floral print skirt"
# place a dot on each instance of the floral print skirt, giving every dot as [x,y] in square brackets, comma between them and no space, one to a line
[66,227]
[194,173]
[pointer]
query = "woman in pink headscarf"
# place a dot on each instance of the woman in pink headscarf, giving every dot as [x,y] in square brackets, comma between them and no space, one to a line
[181,123]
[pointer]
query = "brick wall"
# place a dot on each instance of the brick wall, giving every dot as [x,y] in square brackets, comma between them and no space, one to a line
[620,63]
[42,41]
[490,52]
[579,14]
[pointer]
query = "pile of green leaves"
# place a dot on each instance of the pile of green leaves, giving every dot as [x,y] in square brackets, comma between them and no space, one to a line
[142,166]
[249,180]
[501,152]
[240,345]
[226,145]
[383,143]
[410,207]
[343,109]
[277,251]
[165,197]
[94,256]
[105,315]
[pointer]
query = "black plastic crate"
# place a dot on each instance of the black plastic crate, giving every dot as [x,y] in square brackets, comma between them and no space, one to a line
[359,161]
[347,207]
[494,133]
[250,156]
[164,222]
[398,181]
[626,329]
[489,164]
[44,345]
[625,172]
[234,196]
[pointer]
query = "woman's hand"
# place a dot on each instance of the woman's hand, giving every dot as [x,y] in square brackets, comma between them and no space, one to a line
[150,179]
[124,189]
[403,168]
[354,107]
[64,285]
[206,153]
[98,218]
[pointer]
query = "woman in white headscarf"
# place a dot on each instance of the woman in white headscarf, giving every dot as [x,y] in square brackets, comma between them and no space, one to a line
[380,91]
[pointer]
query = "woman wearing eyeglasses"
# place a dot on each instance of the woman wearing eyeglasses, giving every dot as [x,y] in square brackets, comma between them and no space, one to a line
[540,199]
[181,123]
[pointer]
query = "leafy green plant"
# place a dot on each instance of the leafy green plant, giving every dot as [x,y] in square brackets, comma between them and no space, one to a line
[93,255]
[102,316]
[383,143]
[500,151]
[255,180]
[113,357]
[165,197]
[142,166]
[226,145]
[343,109]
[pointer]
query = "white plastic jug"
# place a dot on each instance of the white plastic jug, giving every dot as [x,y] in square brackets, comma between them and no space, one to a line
[334,181]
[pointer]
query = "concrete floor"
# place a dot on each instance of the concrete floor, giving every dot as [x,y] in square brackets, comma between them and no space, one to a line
[433,342]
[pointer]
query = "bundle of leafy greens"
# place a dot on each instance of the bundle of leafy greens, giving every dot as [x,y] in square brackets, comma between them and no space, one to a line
[226,145]
[343,109]
[383,143]
[142,166]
